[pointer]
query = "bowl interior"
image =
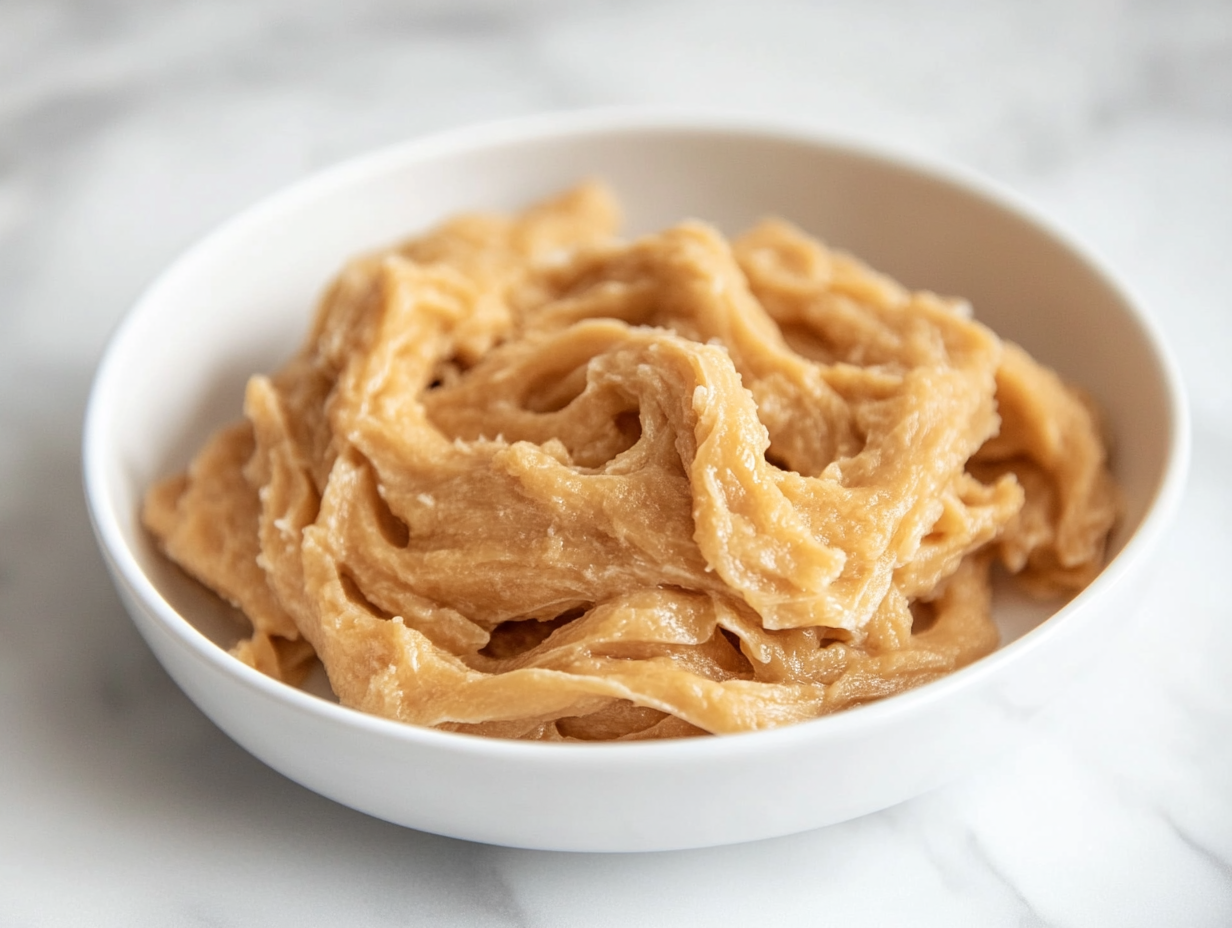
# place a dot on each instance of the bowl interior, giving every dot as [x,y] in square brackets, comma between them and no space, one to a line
[240,301]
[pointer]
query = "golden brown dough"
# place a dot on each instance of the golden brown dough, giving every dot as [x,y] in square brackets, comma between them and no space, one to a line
[527,481]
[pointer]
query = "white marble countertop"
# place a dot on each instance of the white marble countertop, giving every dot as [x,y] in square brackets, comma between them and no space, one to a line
[129,127]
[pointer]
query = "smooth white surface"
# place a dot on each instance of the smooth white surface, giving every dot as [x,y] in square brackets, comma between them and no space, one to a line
[127,129]
[243,289]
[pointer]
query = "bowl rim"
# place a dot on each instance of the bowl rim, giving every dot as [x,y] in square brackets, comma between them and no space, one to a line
[593,123]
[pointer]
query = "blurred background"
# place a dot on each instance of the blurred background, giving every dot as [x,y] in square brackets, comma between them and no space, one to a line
[128,128]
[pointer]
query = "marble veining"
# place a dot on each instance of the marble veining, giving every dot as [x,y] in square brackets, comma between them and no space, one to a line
[129,127]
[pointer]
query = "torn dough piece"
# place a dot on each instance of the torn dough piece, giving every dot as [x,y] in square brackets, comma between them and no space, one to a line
[526,480]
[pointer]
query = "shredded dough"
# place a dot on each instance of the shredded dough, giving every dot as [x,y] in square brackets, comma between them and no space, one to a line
[529,481]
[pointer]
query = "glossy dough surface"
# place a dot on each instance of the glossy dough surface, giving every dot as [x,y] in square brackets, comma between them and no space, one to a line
[527,480]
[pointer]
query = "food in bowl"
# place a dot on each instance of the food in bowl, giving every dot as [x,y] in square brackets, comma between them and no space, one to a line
[530,481]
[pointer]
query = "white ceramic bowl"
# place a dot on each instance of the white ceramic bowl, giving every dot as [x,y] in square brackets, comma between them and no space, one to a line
[240,301]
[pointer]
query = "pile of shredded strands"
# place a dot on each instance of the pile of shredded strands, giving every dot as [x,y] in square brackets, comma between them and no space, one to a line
[529,481]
